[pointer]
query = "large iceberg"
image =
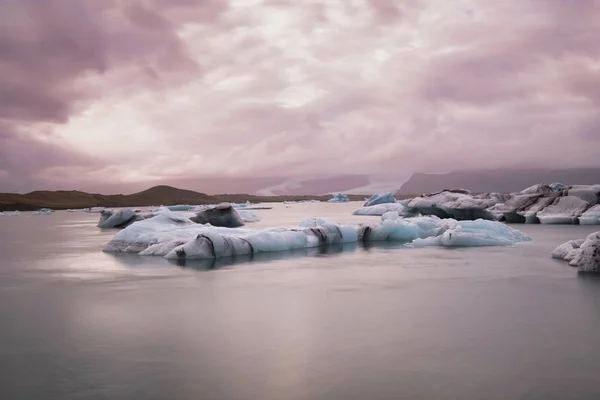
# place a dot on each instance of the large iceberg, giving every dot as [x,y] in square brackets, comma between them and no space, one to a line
[339,198]
[179,238]
[556,203]
[377,198]
[583,254]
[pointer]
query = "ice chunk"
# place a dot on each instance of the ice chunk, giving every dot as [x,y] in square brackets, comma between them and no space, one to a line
[588,193]
[339,198]
[377,198]
[118,218]
[583,254]
[591,216]
[475,233]
[558,186]
[179,238]
[588,259]
[221,215]
[564,211]
[391,215]
[248,215]
[180,207]
[567,251]
[380,209]
[452,204]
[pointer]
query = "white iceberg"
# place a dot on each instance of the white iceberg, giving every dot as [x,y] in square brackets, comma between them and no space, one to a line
[175,237]
[583,254]
[380,209]
[377,198]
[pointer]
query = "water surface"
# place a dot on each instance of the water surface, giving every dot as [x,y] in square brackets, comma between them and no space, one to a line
[343,323]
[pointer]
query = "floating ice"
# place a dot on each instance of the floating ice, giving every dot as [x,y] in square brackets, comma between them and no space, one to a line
[380,209]
[220,215]
[377,198]
[563,211]
[180,207]
[454,204]
[339,198]
[591,216]
[118,218]
[556,203]
[583,254]
[179,238]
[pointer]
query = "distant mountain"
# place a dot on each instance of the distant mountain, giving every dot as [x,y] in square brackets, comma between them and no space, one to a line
[498,180]
[155,196]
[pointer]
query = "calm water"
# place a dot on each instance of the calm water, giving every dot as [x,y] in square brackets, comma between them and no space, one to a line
[346,323]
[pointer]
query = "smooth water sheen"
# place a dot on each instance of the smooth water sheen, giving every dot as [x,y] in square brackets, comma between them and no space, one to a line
[346,323]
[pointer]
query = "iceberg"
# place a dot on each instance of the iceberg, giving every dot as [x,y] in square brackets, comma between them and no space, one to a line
[380,209]
[564,210]
[377,198]
[118,219]
[583,254]
[339,198]
[455,204]
[122,218]
[179,238]
[591,216]
[220,215]
[556,203]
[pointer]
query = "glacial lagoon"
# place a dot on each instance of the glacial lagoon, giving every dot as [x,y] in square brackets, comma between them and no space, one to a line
[348,321]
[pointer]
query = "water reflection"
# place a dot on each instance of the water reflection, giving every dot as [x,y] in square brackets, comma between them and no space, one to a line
[133,260]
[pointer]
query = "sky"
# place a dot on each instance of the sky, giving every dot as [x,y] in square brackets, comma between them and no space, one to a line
[116,95]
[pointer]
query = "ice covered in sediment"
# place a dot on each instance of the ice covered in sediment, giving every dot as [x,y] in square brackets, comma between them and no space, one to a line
[124,217]
[564,211]
[380,209]
[179,238]
[583,254]
[339,198]
[453,204]
[591,216]
[377,198]
[588,193]
[222,214]
[588,259]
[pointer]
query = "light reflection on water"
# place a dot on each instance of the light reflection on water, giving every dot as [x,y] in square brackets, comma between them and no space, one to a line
[343,322]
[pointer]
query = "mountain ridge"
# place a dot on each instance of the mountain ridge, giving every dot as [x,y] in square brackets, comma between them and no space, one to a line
[153,196]
[503,180]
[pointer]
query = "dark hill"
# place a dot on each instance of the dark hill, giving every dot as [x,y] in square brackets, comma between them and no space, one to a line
[498,180]
[155,196]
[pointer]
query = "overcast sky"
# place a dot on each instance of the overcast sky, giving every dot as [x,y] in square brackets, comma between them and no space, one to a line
[103,92]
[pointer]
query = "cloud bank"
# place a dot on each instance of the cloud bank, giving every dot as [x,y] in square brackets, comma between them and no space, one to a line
[109,93]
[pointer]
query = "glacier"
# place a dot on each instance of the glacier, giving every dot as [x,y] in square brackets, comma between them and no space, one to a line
[175,237]
[583,254]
